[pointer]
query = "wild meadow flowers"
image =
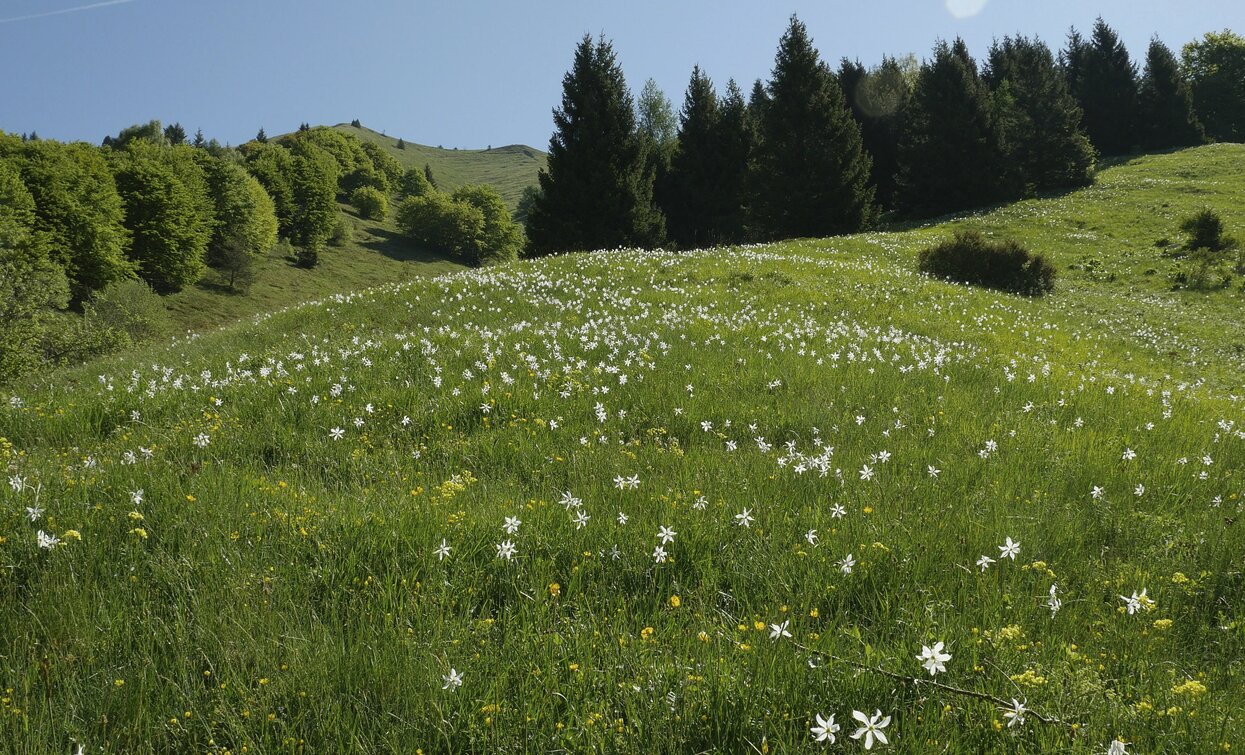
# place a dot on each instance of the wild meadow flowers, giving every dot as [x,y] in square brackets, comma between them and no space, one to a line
[890,513]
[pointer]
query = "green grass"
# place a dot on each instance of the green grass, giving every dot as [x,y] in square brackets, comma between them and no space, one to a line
[509,169]
[277,586]
[373,253]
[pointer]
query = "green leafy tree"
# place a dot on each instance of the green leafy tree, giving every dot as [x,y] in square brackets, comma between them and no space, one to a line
[79,212]
[1215,68]
[879,101]
[1104,82]
[314,188]
[1165,116]
[169,235]
[414,183]
[273,167]
[501,238]
[1038,119]
[150,132]
[354,167]
[384,164]
[370,203]
[811,174]
[31,284]
[436,221]
[949,155]
[598,189]
[245,216]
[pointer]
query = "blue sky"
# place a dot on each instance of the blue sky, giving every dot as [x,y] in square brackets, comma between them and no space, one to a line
[464,73]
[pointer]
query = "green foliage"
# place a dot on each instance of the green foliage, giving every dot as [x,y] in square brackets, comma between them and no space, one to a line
[704,202]
[598,189]
[414,183]
[354,166]
[1038,120]
[438,222]
[175,134]
[1209,250]
[879,101]
[1165,116]
[385,165]
[1206,230]
[526,201]
[370,203]
[1104,82]
[314,190]
[245,217]
[950,155]
[1215,68]
[655,116]
[79,212]
[273,167]
[163,213]
[133,308]
[31,284]
[811,174]
[150,132]
[501,238]
[970,258]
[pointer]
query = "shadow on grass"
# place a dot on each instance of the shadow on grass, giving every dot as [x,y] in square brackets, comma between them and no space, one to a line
[395,247]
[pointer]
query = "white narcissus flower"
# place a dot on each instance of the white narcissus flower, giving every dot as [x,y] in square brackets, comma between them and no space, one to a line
[825,729]
[1015,715]
[871,727]
[777,631]
[453,680]
[933,659]
[1009,549]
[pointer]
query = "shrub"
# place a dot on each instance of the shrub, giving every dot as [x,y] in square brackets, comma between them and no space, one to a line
[133,308]
[502,238]
[341,231]
[439,222]
[370,203]
[1206,231]
[1006,265]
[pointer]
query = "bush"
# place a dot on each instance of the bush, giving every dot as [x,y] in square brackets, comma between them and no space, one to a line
[341,231]
[1206,231]
[502,238]
[1007,266]
[436,221]
[370,203]
[133,308]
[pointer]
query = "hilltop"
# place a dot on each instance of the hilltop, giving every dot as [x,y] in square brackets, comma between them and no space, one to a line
[653,501]
[509,169]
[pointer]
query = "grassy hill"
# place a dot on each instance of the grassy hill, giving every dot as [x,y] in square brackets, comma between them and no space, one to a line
[655,502]
[508,169]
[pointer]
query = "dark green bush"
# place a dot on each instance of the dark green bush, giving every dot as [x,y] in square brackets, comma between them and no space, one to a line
[1004,265]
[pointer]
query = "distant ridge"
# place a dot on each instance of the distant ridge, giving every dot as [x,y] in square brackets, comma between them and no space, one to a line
[509,169]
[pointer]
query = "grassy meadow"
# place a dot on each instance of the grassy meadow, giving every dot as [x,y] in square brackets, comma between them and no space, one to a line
[509,169]
[635,501]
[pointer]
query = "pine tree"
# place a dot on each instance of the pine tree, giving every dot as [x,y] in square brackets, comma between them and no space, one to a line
[692,202]
[401,144]
[261,137]
[199,142]
[811,175]
[174,134]
[879,100]
[1038,119]
[598,189]
[428,175]
[949,154]
[1165,116]
[1104,82]
[736,143]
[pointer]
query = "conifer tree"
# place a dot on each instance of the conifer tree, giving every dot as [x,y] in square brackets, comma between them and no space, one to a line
[1165,116]
[879,100]
[174,134]
[811,175]
[1038,119]
[1104,82]
[261,137]
[692,201]
[428,175]
[199,142]
[736,143]
[597,191]
[949,154]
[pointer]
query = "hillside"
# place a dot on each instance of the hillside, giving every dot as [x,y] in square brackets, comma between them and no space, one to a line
[636,501]
[508,169]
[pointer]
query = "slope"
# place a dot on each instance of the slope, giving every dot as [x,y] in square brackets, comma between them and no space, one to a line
[644,501]
[508,169]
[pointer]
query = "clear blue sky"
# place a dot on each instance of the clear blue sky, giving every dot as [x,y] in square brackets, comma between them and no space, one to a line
[464,73]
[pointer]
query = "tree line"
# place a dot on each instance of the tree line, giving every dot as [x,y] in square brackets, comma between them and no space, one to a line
[817,151]
[150,204]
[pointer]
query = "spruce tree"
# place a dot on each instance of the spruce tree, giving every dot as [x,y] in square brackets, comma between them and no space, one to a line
[1104,82]
[174,134]
[1165,116]
[1038,119]
[199,142]
[879,100]
[692,202]
[949,154]
[811,175]
[597,191]
[428,175]
[261,137]
[736,143]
